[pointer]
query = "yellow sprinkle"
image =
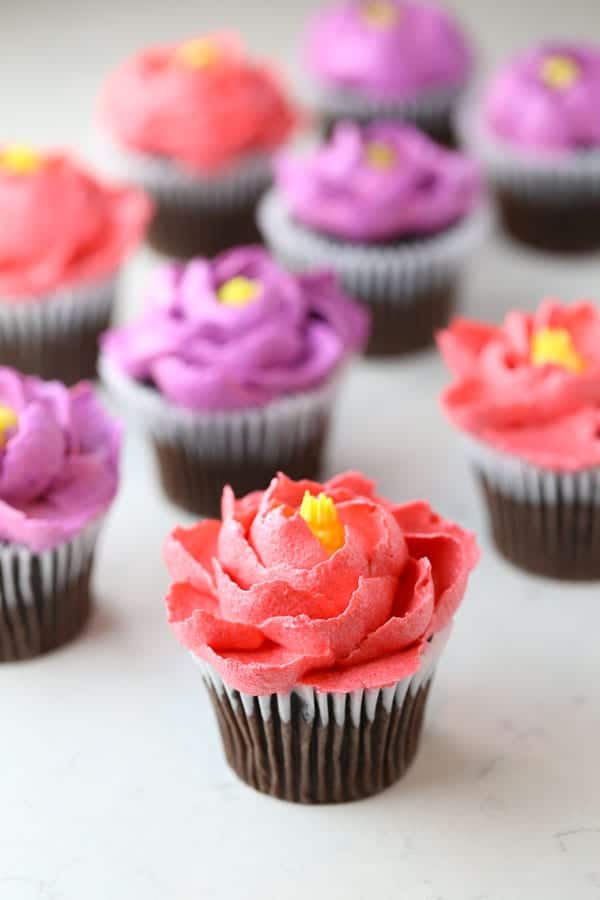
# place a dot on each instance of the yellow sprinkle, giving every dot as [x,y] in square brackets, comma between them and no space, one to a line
[321,516]
[380,155]
[198,53]
[559,72]
[19,159]
[554,346]
[8,420]
[238,291]
[380,13]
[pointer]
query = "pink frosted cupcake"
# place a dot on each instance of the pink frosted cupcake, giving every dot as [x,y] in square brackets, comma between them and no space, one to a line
[59,462]
[526,396]
[195,125]
[536,129]
[384,59]
[64,236]
[317,614]
[392,213]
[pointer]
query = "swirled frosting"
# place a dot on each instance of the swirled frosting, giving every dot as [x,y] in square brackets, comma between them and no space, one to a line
[238,332]
[531,386]
[59,225]
[270,601]
[378,182]
[59,460]
[202,103]
[547,99]
[387,49]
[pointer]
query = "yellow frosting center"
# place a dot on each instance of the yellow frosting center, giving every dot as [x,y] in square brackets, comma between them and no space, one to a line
[321,516]
[8,421]
[198,53]
[380,13]
[19,159]
[380,155]
[559,72]
[554,346]
[238,291]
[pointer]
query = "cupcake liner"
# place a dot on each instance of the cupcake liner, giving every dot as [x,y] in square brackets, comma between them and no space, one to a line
[199,452]
[195,214]
[311,747]
[44,597]
[56,337]
[409,287]
[544,521]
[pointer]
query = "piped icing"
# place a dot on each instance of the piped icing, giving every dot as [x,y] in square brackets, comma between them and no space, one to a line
[237,332]
[202,103]
[547,99]
[259,597]
[531,386]
[378,182]
[387,49]
[59,460]
[59,225]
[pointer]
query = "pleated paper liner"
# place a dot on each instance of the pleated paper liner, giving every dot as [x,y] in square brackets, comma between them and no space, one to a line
[410,288]
[544,521]
[45,597]
[196,214]
[311,747]
[198,453]
[56,337]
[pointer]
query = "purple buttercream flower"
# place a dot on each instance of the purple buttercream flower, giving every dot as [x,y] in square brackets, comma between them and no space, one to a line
[378,182]
[547,99]
[59,460]
[237,332]
[387,49]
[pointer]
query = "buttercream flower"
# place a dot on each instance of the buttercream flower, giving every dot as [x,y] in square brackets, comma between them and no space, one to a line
[378,182]
[327,586]
[58,460]
[238,332]
[60,227]
[530,387]
[202,103]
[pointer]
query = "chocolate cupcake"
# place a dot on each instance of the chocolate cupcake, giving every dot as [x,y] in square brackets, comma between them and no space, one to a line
[64,236]
[317,614]
[536,129]
[388,59]
[232,371]
[59,455]
[526,397]
[394,215]
[195,125]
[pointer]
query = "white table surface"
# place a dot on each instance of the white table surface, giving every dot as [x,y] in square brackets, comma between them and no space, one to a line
[112,781]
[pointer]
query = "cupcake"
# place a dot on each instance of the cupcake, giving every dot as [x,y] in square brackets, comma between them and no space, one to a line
[536,130]
[393,214]
[232,371]
[526,397]
[195,125]
[59,459]
[317,615]
[388,59]
[64,236]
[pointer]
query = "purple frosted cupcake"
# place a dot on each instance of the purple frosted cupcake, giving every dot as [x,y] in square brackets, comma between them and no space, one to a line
[59,474]
[537,132]
[232,371]
[374,59]
[392,212]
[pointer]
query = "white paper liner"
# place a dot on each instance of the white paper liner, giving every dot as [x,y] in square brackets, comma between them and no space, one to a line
[314,700]
[398,273]
[524,481]
[273,429]
[170,183]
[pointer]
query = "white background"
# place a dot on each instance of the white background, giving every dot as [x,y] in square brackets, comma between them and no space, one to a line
[112,781]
